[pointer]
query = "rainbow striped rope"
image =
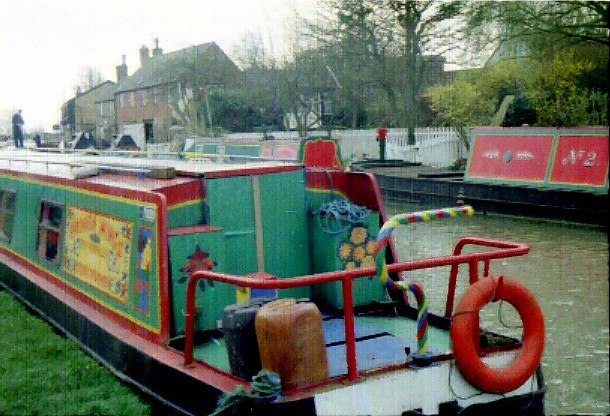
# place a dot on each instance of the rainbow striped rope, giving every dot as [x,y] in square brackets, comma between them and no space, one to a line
[382,270]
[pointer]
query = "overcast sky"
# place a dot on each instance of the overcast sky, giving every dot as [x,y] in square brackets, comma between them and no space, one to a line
[44,43]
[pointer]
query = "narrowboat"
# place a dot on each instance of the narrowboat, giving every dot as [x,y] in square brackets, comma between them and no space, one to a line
[226,286]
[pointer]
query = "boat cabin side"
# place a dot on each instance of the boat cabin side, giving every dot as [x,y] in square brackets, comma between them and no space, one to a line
[95,243]
[129,243]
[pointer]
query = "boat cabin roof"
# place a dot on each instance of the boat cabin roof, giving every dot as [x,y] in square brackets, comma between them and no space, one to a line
[134,171]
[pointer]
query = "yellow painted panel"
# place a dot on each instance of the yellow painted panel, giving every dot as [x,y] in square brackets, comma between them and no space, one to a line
[97,251]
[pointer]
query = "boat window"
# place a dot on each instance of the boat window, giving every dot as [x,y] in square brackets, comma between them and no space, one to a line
[49,230]
[7,213]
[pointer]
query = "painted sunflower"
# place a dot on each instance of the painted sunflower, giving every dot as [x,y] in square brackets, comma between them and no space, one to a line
[368,261]
[358,235]
[370,246]
[359,253]
[345,251]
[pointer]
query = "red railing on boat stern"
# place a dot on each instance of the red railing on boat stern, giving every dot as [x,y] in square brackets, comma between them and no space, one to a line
[503,249]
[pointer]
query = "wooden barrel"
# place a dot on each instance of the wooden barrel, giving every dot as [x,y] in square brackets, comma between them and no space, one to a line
[291,342]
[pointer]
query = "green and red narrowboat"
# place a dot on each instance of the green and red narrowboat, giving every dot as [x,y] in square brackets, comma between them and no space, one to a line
[207,281]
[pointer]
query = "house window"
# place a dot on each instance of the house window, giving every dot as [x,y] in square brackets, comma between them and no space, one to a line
[144,97]
[156,94]
[122,100]
[49,230]
[132,99]
[7,214]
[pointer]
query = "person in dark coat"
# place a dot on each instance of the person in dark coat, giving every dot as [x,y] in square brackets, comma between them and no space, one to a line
[18,129]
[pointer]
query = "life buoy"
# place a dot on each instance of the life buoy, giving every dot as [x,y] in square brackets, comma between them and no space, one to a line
[464,333]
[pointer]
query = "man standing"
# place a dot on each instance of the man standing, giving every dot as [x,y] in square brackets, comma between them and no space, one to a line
[18,129]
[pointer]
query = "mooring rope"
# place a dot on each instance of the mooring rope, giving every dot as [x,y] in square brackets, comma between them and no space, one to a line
[265,386]
[339,215]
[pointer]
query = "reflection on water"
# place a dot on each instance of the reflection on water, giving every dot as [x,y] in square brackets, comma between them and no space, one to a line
[567,270]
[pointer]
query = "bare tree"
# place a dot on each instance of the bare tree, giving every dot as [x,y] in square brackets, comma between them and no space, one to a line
[423,27]
[88,77]
[357,47]
[380,45]
[565,21]
[252,53]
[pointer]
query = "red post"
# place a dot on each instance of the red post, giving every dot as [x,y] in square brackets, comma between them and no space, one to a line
[381,136]
[190,321]
[350,334]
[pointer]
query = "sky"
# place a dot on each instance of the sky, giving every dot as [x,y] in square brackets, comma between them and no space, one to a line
[45,43]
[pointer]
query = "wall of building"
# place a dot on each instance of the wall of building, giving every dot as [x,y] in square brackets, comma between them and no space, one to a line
[85,107]
[106,121]
[145,106]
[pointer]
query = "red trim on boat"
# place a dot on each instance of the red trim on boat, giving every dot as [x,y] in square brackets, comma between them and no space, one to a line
[194,189]
[107,189]
[163,268]
[359,187]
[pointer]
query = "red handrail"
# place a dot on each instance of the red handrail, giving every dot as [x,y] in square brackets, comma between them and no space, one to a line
[517,249]
[504,249]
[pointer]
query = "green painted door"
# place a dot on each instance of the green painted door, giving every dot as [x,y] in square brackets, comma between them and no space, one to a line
[264,223]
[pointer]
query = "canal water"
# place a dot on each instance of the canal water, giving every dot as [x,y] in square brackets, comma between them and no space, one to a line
[566,269]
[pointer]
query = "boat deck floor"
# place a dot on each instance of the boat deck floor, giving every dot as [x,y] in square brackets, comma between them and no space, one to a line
[380,342]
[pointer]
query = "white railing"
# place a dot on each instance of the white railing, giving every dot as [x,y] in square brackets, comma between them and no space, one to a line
[434,146]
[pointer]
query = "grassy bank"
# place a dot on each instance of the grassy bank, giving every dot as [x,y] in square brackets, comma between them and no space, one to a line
[43,373]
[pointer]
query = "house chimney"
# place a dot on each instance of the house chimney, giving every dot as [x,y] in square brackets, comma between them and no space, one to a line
[121,71]
[144,55]
[157,51]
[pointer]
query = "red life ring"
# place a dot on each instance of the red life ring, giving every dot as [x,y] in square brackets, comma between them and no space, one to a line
[465,334]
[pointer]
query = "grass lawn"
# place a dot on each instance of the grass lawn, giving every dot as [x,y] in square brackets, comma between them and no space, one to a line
[44,373]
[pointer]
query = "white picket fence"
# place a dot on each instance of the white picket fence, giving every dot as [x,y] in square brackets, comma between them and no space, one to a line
[434,146]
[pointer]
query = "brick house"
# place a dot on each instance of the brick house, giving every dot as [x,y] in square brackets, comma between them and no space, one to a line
[80,113]
[167,91]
